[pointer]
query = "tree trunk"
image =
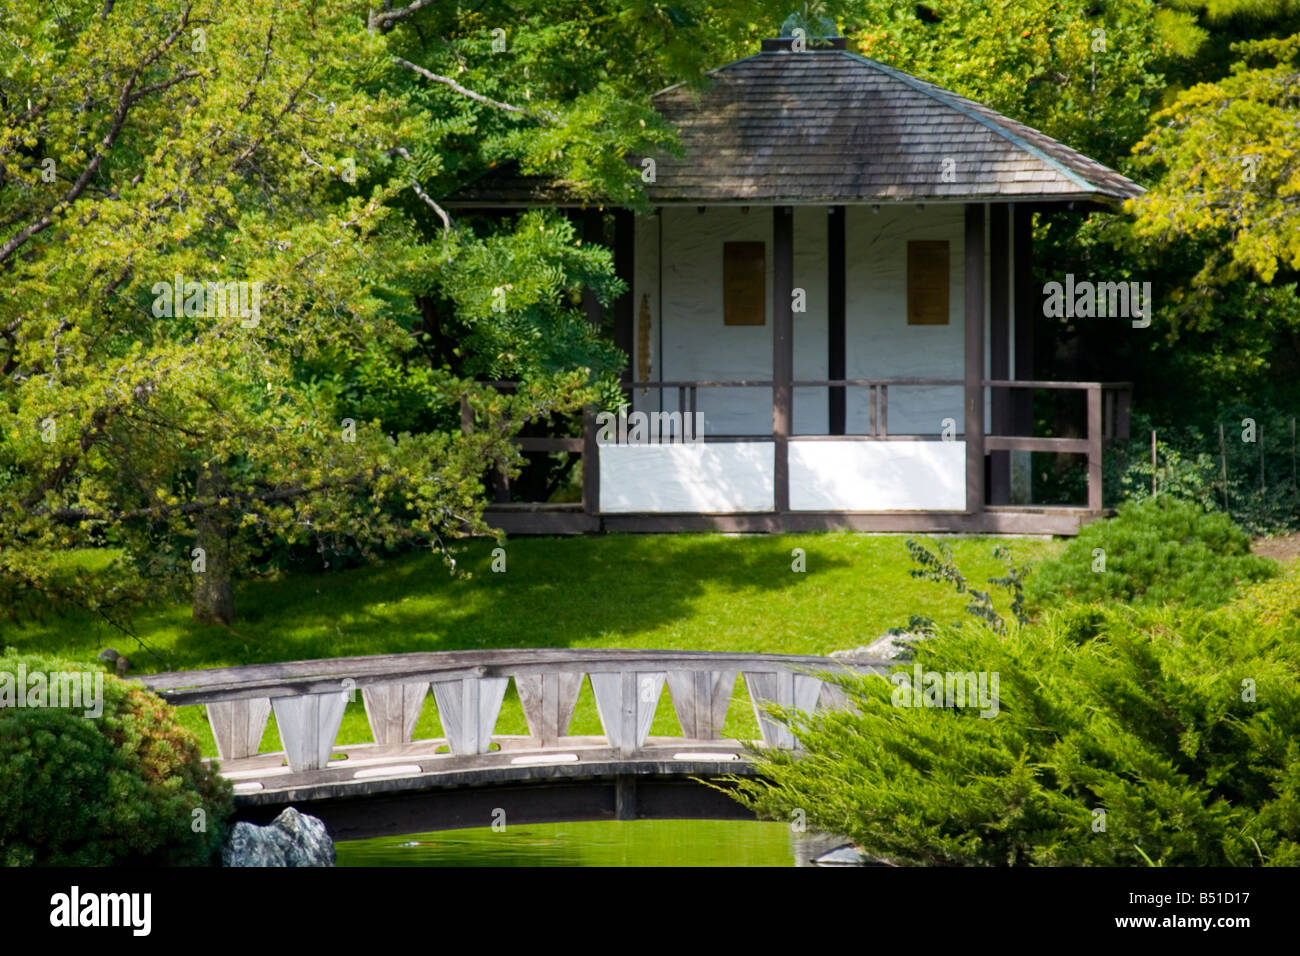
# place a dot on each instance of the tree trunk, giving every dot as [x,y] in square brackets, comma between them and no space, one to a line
[214,585]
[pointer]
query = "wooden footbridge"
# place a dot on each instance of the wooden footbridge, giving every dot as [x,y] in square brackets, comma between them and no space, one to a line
[396,784]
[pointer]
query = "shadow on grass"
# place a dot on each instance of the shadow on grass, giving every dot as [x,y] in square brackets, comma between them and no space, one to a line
[571,593]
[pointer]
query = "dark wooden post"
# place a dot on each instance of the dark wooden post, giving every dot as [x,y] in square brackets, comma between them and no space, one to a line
[1028,305]
[1000,348]
[1094,448]
[782,349]
[589,224]
[590,462]
[973,427]
[625,305]
[835,324]
[593,231]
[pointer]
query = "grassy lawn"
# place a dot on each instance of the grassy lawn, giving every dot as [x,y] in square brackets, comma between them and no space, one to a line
[699,592]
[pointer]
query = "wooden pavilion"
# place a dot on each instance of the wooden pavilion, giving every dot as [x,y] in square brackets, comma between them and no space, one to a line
[836,282]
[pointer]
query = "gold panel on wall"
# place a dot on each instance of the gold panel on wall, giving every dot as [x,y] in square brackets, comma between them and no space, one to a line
[927,282]
[744,297]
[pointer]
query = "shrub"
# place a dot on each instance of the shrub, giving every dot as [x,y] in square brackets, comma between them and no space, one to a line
[1154,551]
[1189,466]
[117,789]
[939,566]
[1181,725]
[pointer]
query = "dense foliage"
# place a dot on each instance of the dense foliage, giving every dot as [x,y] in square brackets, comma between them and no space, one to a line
[1161,550]
[296,154]
[118,789]
[1122,738]
[1249,469]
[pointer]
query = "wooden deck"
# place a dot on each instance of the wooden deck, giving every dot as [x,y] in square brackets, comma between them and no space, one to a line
[995,519]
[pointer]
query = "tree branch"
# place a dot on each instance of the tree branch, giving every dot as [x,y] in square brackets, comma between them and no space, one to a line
[385,20]
[442,214]
[419,190]
[261,72]
[292,102]
[237,500]
[465,91]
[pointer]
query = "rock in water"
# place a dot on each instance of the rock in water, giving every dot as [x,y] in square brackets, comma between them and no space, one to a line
[292,839]
[840,856]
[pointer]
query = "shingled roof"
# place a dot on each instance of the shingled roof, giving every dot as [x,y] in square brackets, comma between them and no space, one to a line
[829,126]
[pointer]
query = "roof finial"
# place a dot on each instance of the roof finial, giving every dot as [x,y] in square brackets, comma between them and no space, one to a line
[806,30]
[811,22]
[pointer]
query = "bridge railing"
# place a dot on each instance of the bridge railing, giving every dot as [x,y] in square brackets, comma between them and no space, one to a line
[309,697]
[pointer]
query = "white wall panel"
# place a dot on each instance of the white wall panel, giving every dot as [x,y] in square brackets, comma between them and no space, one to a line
[698,477]
[697,345]
[880,343]
[877,476]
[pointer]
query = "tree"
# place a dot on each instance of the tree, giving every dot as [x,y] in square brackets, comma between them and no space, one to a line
[1226,151]
[203,210]
[234,314]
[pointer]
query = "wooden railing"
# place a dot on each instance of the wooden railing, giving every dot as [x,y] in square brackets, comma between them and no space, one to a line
[877,400]
[584,445]
[1107,413]
[1108,406]
[309,697]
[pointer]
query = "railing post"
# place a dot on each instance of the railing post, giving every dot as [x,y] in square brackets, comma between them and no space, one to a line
[308,726]
[626,702]
[700,699]
[393,711]
[1094,448]
[548,700]
[238,725]
[785,689]
[468,708]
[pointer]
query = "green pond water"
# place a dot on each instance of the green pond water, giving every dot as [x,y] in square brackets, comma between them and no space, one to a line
[591,843]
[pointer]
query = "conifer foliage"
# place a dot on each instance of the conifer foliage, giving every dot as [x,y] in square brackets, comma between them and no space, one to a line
[1122,738]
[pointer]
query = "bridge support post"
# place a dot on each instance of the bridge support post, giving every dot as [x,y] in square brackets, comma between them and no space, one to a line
[238,725]
[785,689]
[833,697]
[308,727]
[625,797]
